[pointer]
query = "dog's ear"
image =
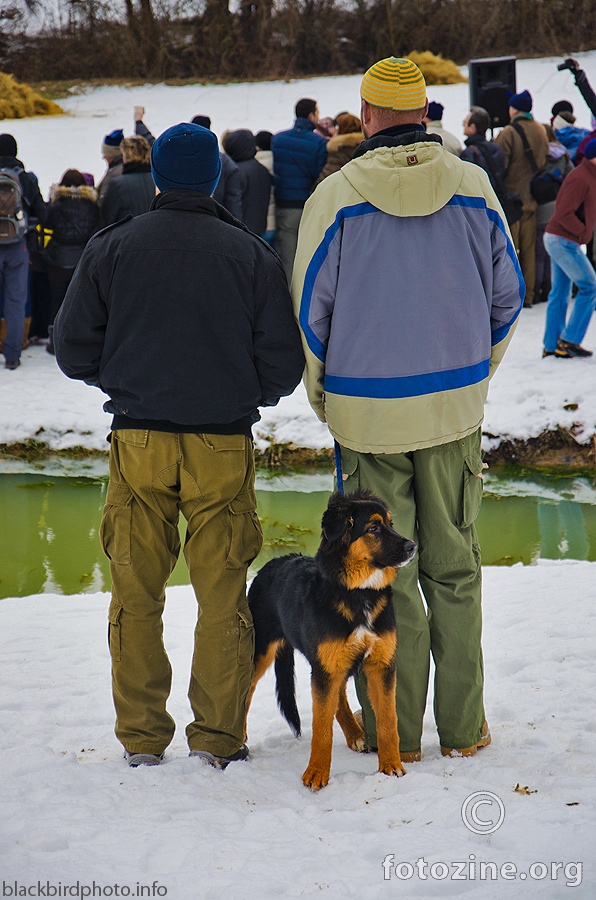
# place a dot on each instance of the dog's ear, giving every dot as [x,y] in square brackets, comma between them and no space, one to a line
[337,520]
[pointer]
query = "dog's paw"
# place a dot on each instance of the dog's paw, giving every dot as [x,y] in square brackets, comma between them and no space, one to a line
[315,779]
[394,767]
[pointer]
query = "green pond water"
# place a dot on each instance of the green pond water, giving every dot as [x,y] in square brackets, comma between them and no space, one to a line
[49,521]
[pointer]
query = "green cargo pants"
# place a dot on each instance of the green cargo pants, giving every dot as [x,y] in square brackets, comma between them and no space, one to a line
[434,496]
[210,479]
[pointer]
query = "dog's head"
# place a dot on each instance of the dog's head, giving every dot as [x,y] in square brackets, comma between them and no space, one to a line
[359,542]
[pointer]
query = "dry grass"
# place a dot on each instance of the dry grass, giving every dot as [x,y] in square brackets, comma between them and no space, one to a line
[19,101]
[435,69]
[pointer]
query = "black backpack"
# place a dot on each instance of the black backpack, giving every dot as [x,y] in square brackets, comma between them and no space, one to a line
[13,221]
[547,181]
[511,202]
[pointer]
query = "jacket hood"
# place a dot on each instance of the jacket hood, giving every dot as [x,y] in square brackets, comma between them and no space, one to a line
[83,192]
[240,144]
[414,179]
[351,139]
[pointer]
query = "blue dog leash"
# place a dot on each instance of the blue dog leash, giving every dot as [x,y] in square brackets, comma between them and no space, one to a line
[338,469]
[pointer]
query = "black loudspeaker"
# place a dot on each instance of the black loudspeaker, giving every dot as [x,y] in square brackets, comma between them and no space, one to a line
[492,83]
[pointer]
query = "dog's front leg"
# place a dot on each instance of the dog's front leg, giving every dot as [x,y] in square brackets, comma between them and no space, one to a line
[353,732]
[380,680]
[325,696]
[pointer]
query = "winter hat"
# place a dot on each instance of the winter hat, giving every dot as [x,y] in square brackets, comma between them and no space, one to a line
[203,121]
[522,102]
[435,111]
[111,143]
[394,83]
[561,106]
[186,157]
[8,145]
[590,149]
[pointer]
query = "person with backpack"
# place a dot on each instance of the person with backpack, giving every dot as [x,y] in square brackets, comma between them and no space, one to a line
[21,207]
[519,171]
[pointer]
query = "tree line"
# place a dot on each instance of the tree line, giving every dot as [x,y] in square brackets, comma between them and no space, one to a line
[255,39]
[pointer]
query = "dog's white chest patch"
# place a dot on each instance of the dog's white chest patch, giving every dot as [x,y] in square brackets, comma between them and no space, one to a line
[376,580]
[363,635]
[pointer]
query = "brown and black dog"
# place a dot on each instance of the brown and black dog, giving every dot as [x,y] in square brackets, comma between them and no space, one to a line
[335,608]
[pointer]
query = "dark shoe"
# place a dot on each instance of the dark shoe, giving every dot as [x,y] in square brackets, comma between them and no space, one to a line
[221,762]
[12,364]
[548,353]
[484,741]
[573,349]
[142,759]
[562,353]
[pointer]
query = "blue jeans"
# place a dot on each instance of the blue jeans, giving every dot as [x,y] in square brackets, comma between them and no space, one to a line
[568,266]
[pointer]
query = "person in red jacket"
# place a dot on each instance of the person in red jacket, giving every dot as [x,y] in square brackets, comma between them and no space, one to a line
[571,226]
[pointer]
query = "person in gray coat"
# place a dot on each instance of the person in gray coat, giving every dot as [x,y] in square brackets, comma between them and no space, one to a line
[241,146]
[133,192]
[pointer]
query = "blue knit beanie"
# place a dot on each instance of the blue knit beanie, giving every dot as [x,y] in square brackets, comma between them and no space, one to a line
[590,149]
[435,111]
[522,102]
[186,158]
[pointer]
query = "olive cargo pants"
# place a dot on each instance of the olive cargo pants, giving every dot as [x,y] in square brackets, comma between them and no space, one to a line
[210,479]
[434,496]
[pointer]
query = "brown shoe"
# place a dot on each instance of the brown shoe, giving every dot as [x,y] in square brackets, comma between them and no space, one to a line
[410,756]
[484,741]
[407,756]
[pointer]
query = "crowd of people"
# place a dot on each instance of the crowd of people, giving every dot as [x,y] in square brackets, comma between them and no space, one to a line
[265,181]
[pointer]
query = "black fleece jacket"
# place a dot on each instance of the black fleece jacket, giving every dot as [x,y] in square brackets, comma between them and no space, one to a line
[183,318]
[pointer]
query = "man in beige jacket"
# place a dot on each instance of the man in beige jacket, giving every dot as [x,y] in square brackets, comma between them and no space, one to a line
[518,176]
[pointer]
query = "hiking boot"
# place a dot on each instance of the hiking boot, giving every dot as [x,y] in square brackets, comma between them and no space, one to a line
[484,741]
[561,352]
[221,762]
[573,349]
[142,759]
[548,353]
[12,364]
[407,756]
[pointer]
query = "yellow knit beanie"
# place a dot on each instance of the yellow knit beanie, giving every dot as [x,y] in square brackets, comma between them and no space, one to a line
[394,83]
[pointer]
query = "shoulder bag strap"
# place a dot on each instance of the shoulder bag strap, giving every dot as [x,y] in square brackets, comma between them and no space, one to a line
[527,148]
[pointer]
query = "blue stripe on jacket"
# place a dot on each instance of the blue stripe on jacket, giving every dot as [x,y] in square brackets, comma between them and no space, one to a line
[319,256]
[407,385]
[410,385]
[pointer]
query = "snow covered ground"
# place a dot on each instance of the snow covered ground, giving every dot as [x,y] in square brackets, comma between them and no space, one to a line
[72,812]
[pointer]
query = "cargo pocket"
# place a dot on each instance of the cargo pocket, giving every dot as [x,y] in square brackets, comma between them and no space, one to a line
[116,524]
[349,464]
[246,535]
[472,489]
[219,442]
[246,638]
[114,639]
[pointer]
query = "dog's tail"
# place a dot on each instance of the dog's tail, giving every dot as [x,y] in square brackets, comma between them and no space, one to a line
[285,687]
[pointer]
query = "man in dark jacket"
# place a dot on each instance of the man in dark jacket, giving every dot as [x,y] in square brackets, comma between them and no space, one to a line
[571,225]
[111,153]
[131,193]
[241,146]
[14,255]
[298,158]
[184,319]
[478,150]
